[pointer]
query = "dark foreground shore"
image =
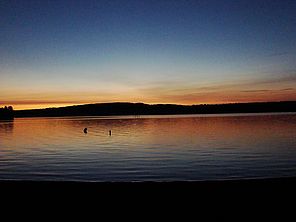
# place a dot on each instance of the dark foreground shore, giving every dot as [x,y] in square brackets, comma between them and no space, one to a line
[279,186]
[210,199]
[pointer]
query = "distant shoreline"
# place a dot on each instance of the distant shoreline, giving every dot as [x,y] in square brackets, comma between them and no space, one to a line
[147,116]
[138,109]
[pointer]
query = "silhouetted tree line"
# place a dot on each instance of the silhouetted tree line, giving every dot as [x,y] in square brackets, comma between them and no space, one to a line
[6,113]
[108,109]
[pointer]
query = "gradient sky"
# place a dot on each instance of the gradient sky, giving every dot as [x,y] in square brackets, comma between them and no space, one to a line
[56,53]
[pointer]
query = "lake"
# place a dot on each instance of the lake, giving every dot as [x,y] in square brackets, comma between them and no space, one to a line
[149,148]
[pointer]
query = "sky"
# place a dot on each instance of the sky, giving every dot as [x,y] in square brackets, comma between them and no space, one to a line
[58,53]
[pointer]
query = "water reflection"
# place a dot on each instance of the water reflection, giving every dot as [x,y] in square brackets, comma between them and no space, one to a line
[185,148]
[6,126]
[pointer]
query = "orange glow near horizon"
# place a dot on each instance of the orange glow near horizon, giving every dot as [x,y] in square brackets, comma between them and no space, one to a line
[179,99]
[153,93]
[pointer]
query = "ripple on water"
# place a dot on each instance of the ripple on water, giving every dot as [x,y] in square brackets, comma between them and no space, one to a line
[144,149]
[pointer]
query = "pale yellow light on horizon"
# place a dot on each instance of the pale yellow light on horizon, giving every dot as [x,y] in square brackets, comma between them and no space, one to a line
[39,106]
[162,92]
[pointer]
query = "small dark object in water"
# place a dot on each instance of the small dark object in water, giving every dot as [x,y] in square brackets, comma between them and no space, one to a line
[85,130]
[110,132]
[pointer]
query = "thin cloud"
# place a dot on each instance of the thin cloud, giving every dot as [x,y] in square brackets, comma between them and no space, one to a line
[286,78]
[287,89]
[278,54]
[266,90]
[33,102]
[255,91]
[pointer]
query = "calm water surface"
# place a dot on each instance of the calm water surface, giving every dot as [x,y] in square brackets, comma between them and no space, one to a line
[149,148]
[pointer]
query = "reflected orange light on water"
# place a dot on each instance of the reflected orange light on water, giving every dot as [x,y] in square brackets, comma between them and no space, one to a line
[187,131]
[157,148]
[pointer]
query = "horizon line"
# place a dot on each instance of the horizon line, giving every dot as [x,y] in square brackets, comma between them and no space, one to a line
[195,104]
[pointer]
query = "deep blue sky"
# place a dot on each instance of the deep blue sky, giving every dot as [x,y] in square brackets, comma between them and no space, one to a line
[68,52]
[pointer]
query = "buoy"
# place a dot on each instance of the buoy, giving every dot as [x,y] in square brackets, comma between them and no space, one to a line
[85,130]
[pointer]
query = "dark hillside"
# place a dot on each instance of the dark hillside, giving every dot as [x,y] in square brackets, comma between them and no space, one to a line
[108,109]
